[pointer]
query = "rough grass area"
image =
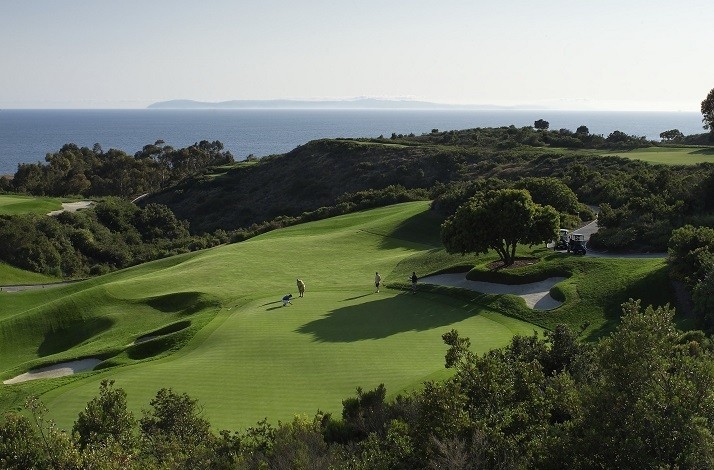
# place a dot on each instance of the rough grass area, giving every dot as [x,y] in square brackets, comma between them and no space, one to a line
[669,155]
[221,335]
[11,204]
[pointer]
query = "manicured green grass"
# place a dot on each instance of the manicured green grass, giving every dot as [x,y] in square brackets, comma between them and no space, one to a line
[10,275]
[244,356]
[16,204]
[224,338]
[669,155]
[593,292]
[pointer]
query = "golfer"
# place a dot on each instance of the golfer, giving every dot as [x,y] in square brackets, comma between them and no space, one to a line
[377,280]
[286,299]
[301,287]
[414,279]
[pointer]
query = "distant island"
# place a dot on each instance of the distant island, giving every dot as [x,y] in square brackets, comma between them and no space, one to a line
[358,103]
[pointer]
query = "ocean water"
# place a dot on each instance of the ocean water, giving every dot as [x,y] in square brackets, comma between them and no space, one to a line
[26,136]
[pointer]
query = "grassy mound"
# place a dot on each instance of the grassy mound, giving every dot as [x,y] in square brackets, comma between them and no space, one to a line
[222,336]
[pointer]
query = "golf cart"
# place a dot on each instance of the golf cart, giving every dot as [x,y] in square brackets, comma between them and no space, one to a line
[561,243]
[576,244]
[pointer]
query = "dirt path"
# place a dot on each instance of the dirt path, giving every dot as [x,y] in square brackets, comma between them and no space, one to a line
[536,294]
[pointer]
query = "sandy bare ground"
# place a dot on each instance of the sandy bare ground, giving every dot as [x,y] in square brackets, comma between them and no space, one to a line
[536,294]
[56,370]
[72,207]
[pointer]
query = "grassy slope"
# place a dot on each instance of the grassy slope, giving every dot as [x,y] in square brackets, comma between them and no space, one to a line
[10,275]
[15,204]
[669,155]
[251,358]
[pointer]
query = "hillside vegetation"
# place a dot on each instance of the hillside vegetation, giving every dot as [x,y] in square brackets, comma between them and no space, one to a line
[320,173]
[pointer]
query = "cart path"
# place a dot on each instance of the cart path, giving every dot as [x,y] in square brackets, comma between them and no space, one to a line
[22,287]
[536,294]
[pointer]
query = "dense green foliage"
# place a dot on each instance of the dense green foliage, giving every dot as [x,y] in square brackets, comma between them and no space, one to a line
[708,112]
[443,163]
[639,398]
[645,216]
[511,137]
[691,260]
[499,220]
[545,191]
[113,234]
[93,172]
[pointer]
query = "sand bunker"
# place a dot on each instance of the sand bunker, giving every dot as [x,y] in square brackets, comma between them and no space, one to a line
[72,207]
[56,370]
[536,294]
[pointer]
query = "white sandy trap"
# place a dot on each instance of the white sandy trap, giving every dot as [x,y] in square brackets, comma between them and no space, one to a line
[56,370]
[72,207]
[536,294]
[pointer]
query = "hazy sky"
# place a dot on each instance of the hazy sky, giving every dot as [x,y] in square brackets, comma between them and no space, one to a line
[567,54]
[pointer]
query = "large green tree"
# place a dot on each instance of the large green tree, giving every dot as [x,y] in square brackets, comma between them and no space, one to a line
[498,220]
[708,111]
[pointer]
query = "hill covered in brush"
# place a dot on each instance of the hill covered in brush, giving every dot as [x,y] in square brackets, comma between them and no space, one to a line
[327,172]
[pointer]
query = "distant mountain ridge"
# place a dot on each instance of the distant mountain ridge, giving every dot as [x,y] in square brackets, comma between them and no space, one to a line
[359,103]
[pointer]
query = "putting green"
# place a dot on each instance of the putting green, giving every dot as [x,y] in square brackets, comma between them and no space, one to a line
[251,358]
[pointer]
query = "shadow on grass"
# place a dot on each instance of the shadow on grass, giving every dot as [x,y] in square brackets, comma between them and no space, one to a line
[424,228]
[703,152]
[652,289]
[68,337]
[271,303]
[355,298]
[381,318]
[180,302]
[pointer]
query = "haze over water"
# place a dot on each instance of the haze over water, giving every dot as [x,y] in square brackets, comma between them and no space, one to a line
[26,136]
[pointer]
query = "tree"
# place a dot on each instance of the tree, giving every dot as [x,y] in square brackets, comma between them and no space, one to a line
[541,124]
[174,433]
[649,402]
[672,135]
[582,130]
[691,253]
[106,419]
[549,191]
[499,220]
[708,111]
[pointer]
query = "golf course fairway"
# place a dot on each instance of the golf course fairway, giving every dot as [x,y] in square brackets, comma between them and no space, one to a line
[247,357]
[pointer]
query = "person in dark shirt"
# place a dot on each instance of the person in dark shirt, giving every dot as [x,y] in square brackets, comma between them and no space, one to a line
[286,299]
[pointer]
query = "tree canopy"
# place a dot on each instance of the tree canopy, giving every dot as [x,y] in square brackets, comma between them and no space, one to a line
[499,220]
[708,111]
[672,135]
[541,124]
